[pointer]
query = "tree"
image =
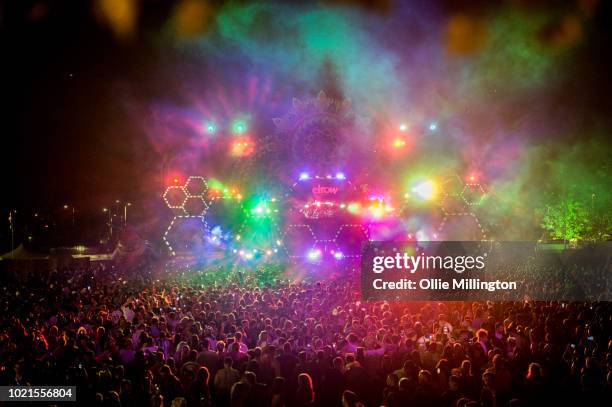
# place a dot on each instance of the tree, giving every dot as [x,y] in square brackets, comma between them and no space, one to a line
[567,220]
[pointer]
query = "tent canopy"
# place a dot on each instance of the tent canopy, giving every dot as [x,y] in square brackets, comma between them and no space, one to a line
[21,253]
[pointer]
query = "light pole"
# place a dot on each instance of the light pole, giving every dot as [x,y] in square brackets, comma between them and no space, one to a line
[12,226]
[125,208]
[66,206]
[110,222]
[593,224]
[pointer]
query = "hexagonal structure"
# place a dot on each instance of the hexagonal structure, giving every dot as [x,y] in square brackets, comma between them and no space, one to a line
[196,186]
[175,197]
[298,239]
[453,205]
[461,227]
[195,206]
[452,185]
[349,239]
[185,234]
[473,194]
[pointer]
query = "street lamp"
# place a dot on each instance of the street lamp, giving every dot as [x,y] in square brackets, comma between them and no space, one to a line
[110,222]
[11,220]
[125,207]
[66,206]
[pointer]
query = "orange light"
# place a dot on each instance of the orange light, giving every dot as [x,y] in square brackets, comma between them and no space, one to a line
[242,148]
[399,143]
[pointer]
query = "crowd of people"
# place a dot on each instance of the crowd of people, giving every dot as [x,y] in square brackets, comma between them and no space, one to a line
[145,339]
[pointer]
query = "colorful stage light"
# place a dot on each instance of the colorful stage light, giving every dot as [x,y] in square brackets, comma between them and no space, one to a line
[399,143]
[239,127]
[422,236]
[403,127]
[175,197]
[338,255]
[210,128]
[353,207]
[314,254]
[378,209]
[424,190]
[242,147]
[433,126]
[304,176]
[263,209]
[340,175]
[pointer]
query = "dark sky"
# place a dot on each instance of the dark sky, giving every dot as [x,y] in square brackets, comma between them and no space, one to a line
[67,137]
[64,81]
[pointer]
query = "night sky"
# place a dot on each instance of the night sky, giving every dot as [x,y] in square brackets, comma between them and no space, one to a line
[80,96]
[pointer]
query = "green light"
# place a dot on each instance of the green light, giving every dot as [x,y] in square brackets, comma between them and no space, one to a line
[353,207]
[262,209]
[240,127]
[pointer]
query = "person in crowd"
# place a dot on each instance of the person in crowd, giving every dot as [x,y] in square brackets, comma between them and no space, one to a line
[278,393]
[207,357]
[225,380]
[169,385]
[137,337]
[239,395]
[305,393]
[199,392]
[391,387]
[350,399]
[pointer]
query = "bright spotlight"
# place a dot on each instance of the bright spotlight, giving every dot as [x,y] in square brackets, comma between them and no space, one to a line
[340,175]
[403,127]
[314,254]
[424,190]
[304,176]
[399,143]
[211,128]
[421,236]
[240,127]
[338,255]
[433,126]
